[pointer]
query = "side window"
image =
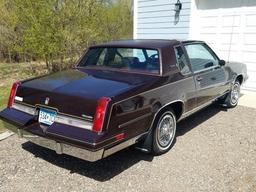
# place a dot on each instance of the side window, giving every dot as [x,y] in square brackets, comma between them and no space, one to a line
[139,54]
[152,53]
[102,57]
[200,57]
[181,60]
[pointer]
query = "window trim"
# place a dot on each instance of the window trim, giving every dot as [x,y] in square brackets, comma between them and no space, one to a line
[207,69]
[186,56]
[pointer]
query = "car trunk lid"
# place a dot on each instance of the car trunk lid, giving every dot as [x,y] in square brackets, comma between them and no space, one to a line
[75,92]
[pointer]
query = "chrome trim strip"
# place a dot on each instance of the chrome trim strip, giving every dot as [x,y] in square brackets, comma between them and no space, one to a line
[188,113]
[63,119]
[24,108]
[122,145]
[206,69]
[184,115]
[87,118]
[73,122]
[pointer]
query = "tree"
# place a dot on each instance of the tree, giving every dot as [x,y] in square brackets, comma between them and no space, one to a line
[55,29]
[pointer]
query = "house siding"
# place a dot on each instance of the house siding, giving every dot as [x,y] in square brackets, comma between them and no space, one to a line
[155,19]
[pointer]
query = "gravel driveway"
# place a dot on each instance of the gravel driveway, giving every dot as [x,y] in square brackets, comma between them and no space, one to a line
[215,150]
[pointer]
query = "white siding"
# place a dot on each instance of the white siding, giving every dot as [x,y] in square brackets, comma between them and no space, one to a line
[155,19]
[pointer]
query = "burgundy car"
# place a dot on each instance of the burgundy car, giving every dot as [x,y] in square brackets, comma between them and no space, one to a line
[122,93]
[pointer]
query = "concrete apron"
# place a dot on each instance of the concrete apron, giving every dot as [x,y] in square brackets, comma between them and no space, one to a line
[5,135]
[248,99]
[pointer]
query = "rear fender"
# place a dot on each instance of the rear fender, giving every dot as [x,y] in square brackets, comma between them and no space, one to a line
[146,146]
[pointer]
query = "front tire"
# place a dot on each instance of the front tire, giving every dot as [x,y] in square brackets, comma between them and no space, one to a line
[164,132]
[233,96]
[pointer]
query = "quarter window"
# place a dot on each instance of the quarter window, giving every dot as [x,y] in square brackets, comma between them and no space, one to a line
[200,57]
[181,60]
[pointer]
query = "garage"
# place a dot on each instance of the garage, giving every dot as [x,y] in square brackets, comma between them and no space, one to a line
[227,26]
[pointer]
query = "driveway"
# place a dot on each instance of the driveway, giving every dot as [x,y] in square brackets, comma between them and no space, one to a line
[215,150]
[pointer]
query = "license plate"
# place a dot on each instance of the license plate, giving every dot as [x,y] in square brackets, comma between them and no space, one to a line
[46,117]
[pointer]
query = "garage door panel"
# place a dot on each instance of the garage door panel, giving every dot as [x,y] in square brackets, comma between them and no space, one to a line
[230,30]
[252,76]
[232,49]
[249,39]
[223,55]
[250,30]
[208,30]
[250,20]
[251,66]
[227,38]
[231,56]
[210,21]
[209,38]
[231,21]
[250,85]
[249,48]
[249,57]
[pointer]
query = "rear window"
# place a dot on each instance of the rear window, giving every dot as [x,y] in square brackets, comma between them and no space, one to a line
[130,59]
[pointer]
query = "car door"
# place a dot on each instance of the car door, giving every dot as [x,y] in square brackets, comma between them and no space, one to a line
[188,86]
[209,76]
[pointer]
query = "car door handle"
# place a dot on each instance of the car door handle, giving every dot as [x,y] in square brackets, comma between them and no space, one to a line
[199,78]
[213,78]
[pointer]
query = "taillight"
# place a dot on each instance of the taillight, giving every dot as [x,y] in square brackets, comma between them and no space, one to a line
[100,114]
[13,93]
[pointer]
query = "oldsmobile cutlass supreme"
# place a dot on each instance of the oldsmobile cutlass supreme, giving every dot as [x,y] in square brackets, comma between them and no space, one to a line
[122,93]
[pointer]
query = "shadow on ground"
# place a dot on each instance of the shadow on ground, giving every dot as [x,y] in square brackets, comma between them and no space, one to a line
[108,168]
[196,119]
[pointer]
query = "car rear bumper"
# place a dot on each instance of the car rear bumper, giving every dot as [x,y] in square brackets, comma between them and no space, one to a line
[62,148]
[69,149]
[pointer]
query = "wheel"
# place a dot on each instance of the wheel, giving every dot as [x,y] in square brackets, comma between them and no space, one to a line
[233,96]
[164,133]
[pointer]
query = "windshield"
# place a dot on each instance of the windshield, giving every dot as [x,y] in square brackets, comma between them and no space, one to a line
[131,59]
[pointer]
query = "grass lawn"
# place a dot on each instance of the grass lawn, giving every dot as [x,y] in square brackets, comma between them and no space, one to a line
[4,94]
[10,73]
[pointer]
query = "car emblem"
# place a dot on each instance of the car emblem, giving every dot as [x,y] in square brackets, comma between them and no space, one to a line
[47,99]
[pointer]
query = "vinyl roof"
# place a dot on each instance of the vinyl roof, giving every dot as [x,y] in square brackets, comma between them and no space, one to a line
[141,43]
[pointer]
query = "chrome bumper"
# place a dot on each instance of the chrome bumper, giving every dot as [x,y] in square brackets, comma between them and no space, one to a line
[62,148]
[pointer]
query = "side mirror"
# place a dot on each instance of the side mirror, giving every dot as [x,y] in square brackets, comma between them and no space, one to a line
[222,62]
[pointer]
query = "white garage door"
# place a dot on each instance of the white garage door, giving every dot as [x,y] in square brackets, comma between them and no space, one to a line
[230,28]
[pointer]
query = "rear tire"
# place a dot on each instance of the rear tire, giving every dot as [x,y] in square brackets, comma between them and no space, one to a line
[164,132]
[233,96]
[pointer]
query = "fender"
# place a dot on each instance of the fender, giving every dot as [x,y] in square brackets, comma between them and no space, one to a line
[146,146]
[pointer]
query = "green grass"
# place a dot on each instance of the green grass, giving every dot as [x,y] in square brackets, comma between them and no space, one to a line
[10,73]
[4,94]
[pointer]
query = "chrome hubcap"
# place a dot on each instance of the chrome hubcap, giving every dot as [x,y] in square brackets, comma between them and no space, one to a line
[166,130]
[235,93]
